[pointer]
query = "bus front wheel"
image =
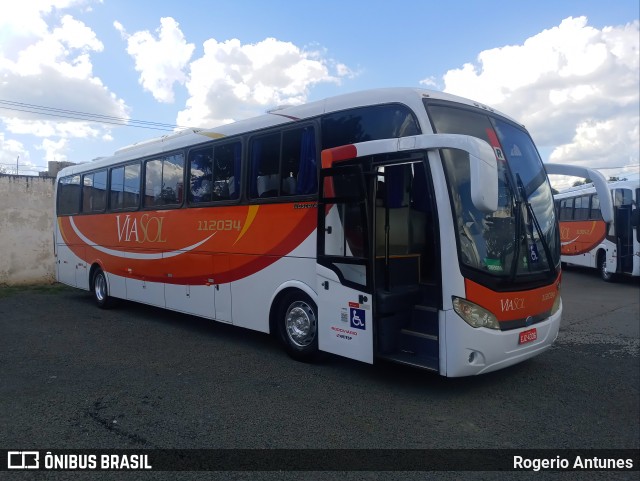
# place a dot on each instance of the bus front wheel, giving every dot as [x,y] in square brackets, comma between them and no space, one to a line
[602,267]
[298,326]
[100,289]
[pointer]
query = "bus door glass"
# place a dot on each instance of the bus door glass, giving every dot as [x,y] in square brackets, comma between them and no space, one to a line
[635,216]
[623,203]
[345,317]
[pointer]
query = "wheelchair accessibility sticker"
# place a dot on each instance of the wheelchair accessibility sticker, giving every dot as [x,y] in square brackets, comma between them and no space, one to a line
[357,318]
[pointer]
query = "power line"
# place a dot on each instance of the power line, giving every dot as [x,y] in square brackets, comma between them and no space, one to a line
[11,164]
[86,116]
[123,122]
[98,116]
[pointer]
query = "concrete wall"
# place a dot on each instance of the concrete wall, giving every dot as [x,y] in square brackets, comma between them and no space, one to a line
[26,230]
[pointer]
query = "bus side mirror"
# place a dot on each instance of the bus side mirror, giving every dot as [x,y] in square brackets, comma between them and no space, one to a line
[482,164]
[484,178]
[599,182]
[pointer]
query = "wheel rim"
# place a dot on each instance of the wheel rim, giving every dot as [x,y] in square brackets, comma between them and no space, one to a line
[100,287]
[603,269]
[300,324]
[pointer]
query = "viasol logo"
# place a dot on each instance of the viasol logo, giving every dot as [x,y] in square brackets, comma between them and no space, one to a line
[23,460]
[146,229]
[514,304]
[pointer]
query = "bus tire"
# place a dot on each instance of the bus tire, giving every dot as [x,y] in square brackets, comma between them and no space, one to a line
[297,318]
[100,289]
[605,275]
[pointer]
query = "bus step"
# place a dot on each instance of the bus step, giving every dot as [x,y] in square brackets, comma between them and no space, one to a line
[421,347]
[410,359]
[421,337]
[424,320]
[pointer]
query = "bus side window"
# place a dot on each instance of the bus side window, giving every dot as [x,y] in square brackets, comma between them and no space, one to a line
[299,174]
[200,175]
[566,209]
[69,195]
[116,189]
[368,123]
[581,208]
[595,213]
[214,173]
[283,164]
[94,192]
[124,192]
[622,197]
[226,171]
[163,181]
[131,192]
[265,160]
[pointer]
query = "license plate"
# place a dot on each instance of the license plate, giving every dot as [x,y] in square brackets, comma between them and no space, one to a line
[528,336]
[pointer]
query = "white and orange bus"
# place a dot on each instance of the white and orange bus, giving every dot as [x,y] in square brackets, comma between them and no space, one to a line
[599,226]
[402,224]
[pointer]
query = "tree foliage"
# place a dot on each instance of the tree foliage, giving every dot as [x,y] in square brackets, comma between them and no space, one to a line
[582,182]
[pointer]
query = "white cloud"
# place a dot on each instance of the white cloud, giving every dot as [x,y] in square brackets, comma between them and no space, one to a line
[343,71]
[161,61]
[54,149]
[45,61]
[26,18]
[575,87]
[46,65]
[234,80]
[429,82]
[14,158]
[10,150]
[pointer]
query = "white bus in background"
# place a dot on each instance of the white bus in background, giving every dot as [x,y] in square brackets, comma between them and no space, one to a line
[402,224]
[609,243]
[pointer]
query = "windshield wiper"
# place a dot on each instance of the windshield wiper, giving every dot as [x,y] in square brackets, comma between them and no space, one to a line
[536,224]
[516,237]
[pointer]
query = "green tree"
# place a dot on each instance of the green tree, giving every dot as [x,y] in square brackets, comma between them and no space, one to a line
[582,182]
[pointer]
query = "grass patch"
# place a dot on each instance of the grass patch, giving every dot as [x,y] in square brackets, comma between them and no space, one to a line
[8,291]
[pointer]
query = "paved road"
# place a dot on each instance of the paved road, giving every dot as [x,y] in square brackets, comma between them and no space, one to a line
[73,376]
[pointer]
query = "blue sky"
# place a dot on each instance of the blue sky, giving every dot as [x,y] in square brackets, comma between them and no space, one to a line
[568,70]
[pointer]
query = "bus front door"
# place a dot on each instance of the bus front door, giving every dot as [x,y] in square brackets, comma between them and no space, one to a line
[345,308]
[624,233]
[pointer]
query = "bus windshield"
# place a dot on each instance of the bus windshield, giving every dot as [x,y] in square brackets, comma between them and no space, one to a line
[520,239]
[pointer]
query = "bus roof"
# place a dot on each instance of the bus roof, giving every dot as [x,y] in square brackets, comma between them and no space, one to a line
[589,188]
[412,97]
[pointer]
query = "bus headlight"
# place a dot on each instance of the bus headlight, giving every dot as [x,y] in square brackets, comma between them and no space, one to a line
[556,304]
[474,315]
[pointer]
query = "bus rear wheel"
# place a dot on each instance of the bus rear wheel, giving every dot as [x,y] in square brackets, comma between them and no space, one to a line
[100,289]
[605,275]
[298,326]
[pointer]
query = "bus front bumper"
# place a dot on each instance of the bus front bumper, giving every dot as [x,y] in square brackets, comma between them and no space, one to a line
[468,351]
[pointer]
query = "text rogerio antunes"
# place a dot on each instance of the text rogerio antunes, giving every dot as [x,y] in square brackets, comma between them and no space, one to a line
[579,462]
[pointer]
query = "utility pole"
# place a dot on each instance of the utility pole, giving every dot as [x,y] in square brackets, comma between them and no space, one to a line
[17,164]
